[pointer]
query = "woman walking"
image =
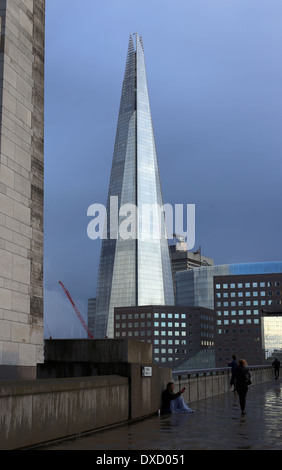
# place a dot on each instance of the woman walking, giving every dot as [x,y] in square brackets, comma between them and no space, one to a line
[242,377]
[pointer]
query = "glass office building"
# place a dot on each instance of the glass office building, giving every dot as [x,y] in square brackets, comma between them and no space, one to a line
[245,298]
[133,270]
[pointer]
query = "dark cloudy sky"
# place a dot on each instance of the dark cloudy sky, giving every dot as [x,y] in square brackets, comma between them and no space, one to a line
[214,70]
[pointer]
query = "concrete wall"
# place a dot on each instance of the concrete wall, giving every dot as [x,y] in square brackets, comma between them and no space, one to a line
[22,24]
[204,384]
[62,405]
[33,412]
[123,357]
[111,391]
[37,411]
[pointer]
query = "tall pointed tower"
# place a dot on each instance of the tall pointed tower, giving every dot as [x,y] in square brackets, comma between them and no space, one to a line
[135,271]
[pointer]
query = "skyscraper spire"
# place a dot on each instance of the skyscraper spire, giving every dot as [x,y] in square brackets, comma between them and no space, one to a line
[137,270]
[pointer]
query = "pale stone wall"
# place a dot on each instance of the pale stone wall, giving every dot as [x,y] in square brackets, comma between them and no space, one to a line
[21,182]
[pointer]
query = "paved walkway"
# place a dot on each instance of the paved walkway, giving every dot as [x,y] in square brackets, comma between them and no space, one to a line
[216,424]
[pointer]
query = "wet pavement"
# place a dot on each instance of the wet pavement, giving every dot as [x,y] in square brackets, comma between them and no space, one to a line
[217,424]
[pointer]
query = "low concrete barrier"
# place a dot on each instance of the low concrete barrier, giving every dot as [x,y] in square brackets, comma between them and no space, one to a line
[205,383]
[37,411]
[117,382]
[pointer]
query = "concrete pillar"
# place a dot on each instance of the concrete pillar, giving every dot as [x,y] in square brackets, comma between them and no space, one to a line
[22,24]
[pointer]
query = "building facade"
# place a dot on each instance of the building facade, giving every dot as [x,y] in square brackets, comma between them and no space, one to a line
[182,259]
[241,295]
[91,310]
[21,186]
[177,334]
[134,268]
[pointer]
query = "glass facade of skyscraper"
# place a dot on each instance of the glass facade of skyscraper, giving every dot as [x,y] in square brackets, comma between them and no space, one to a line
[136,270]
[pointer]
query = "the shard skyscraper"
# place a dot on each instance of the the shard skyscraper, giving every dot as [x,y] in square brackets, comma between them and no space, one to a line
[134,271]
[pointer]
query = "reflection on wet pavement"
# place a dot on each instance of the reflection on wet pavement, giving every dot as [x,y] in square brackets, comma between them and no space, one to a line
[216,424]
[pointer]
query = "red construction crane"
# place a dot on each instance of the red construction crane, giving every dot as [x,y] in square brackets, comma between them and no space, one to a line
[76,310]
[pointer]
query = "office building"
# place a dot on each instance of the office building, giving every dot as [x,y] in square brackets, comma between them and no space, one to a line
[133,270]
[241,295]
[178,334]
[182,259]
[21,186]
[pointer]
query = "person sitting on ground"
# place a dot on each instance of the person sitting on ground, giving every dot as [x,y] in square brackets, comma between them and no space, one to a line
[173,402]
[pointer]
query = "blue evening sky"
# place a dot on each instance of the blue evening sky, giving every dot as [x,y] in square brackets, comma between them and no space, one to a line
[214,73]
